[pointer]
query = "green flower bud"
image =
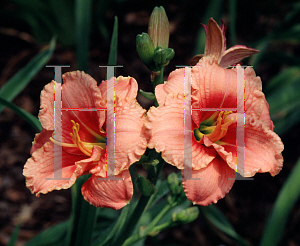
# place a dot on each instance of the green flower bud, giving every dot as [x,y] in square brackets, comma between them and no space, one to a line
[145,186]
[159,27]
[145,49]
[173,184]
[148,95]
[163,56]
[187,215]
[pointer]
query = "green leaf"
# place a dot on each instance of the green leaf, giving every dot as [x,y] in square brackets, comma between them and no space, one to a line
[112,230]
[287,31]
[14,236]
[288,196]
[21,79]
[62,13]
[112,59]
[216,218]
[281,58]
[101,8]
[83,18]
[283,79]
[82,218]
[32,120]
[232,14]
[53,236]
[283,96]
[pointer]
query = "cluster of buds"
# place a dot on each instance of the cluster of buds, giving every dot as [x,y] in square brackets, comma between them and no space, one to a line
[152,47]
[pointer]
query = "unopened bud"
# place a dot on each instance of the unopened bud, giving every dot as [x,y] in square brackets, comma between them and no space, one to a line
[173,183]
[145,186]
[163,56]
[159,27]
[187,215]
[145,49]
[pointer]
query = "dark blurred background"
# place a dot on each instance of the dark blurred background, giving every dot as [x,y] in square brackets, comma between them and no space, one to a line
[26,28]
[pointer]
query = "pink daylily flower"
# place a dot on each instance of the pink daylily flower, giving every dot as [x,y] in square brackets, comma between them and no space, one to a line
[84,140]
[214,151]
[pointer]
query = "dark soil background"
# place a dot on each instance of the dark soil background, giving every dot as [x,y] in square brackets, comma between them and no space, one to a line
[248,203]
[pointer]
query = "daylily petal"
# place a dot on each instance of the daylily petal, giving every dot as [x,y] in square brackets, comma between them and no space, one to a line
[215,182]
[80,91]
[265,115]
[125,87]
[223,29]
[46,113]
[108,193]
[263,148]
[255,101]
[214,45]
[195,59]
[96,160]
[235,54]
[130,137]
[40,139]
[39,169]
[228,156]
[174,84]
[212,86]
[169,138]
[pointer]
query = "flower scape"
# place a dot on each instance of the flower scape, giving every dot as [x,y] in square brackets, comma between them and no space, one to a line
[214,150]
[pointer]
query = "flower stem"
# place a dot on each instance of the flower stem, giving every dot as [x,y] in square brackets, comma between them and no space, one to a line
[132,221]
[159,79]
[151,227]
[130,224]
[82,217]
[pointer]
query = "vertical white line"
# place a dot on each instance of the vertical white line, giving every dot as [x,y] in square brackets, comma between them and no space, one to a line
[110,122]
[57,154]
[57,132]
[187,125]
[240,142]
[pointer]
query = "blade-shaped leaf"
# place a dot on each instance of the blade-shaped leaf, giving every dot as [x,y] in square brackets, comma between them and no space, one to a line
[14,236]
[216,218]
[283,96]
[283,79]
[21,79]
[82,217]
[31,119]
[53,236]
[83,27]
[285,201]
[111,231]
[232,13]
[112,59]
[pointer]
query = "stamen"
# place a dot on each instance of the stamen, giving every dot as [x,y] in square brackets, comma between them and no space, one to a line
[85,147]
[62,144]
[214,130]
[77,141]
